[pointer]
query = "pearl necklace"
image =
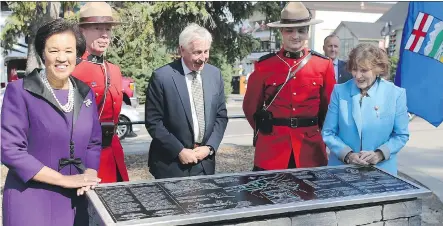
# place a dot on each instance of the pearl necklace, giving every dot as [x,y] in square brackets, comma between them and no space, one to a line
[68,106]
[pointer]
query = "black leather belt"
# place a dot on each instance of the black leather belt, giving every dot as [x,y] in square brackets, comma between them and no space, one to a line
[295,122]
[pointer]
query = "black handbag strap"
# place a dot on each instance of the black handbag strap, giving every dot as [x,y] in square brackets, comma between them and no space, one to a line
[107,84]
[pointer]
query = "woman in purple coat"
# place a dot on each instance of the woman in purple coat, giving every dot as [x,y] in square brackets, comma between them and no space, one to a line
[51,136]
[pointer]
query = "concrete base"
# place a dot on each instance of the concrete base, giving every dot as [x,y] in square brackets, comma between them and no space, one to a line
[400,213]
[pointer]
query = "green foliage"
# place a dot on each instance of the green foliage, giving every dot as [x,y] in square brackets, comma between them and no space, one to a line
[150,37]
[19,22]
[25,20]
[226,69]
[272,10]
[394,64]
[219,18]
[135,48]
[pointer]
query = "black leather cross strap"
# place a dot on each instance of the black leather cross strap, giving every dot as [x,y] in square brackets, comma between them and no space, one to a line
[99,61]
[107,84]
[295,122]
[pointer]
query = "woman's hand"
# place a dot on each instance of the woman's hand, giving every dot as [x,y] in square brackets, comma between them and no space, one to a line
[89,178]
[83,190]
[372,157]
[354,158]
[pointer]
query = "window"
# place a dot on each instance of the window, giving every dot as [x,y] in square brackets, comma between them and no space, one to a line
[265,46]
[5,6]
[346,45]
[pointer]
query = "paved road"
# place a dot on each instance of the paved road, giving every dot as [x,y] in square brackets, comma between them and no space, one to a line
[237,132]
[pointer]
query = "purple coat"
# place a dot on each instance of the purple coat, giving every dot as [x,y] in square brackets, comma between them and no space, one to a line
[35,132]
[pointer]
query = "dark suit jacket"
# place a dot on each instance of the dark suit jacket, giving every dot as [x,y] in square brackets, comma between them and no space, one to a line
[343,74]
[169,119]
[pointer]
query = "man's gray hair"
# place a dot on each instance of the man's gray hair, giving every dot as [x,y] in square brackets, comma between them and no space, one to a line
[330,36]
[193,32]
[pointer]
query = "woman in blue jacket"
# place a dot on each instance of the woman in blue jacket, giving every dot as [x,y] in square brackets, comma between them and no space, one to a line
[367,119]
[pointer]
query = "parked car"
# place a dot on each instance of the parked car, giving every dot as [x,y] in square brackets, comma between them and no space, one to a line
[128,114]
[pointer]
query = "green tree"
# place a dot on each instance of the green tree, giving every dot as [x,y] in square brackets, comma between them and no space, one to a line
[220,18]
[272,11]
[138,50]
[24,21]
[135,47]
[394,63]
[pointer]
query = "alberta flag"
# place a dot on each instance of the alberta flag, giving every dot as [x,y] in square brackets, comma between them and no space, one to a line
[420,68]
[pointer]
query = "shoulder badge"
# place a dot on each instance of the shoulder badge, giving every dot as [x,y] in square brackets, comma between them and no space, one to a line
[319,55]
[267,56]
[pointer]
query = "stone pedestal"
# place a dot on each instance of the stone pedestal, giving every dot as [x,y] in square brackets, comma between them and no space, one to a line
[336,196]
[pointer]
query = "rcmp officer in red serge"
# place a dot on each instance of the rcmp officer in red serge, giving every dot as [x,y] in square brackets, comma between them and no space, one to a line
[287,97]
[105,79]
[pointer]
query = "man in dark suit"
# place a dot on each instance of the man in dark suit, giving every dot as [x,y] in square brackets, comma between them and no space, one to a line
[185,110]
[331,47]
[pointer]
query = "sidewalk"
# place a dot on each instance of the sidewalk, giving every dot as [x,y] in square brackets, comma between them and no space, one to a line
[233,104]
[422,158]
[234,101]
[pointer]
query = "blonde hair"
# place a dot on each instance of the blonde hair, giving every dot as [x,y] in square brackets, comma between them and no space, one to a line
[369,57]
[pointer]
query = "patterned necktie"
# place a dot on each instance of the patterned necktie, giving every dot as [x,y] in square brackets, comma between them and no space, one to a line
[197,95]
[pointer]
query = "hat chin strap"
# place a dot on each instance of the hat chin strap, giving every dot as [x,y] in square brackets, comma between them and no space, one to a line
[95,52]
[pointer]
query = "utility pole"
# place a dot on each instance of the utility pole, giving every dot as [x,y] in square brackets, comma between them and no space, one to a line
[388,32]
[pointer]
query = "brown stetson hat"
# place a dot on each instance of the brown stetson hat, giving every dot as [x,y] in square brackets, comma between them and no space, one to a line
[97,13]
[295,14]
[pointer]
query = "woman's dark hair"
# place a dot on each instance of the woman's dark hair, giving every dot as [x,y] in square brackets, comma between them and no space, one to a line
[58,26]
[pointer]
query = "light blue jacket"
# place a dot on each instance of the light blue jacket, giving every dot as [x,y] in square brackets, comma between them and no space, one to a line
[380,123]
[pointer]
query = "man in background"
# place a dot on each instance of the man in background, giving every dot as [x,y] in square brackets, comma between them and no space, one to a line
[331,47]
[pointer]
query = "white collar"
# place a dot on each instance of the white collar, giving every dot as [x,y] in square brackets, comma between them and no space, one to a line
[335,62]
[186,70]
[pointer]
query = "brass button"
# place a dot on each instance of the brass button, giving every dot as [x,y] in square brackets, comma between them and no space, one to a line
[114,102]
[293,109]
[294,77]
[274,84]
[96,94]
[294,94]
[314,83]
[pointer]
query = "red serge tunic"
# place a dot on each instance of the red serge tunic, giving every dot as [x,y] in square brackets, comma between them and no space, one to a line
[91,71]
[305,95]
